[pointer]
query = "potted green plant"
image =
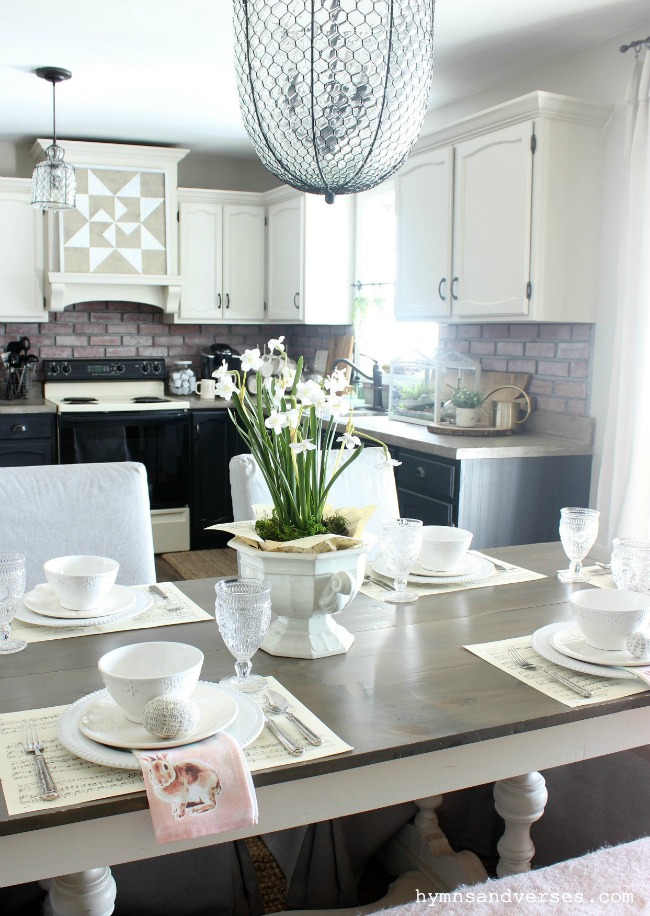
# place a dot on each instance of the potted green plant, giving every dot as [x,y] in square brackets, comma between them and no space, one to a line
[466,401]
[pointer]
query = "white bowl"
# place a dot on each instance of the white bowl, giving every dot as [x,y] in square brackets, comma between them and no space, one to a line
[607,617]
[135,674]
[81,582]
[444,548]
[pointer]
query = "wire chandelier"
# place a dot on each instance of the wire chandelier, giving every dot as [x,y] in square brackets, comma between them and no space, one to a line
[54,182]
[333,93]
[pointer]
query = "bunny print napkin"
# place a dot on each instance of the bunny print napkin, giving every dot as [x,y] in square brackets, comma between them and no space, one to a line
[198,789]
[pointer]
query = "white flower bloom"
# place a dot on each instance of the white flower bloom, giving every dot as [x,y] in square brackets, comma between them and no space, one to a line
[388,463]
[300,447]
[310,393]
[225,388]
[251,360]
[276,421]
[349,441]
[276,344]
[337,381]
[293,416]
[338,406]
[221,371]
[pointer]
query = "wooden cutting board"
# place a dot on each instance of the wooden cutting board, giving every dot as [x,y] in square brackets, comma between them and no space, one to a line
[341,347]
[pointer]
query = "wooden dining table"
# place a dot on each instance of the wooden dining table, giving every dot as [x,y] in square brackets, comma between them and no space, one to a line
[423,715]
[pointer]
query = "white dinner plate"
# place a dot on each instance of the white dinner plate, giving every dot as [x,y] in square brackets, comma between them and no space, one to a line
[541,640]
[43,600]
[103,721]
[142,603]
[469,565]
[569,641]
[482,570]
[245,729]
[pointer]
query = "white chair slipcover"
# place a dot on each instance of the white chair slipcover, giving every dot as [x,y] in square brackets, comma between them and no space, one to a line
[365,483]
[61,510]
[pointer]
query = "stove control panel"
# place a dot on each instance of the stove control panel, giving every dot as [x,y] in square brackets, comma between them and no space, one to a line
[96,370]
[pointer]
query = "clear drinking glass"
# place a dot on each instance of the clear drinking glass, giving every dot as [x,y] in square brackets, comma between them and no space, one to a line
[12,589]
[401,541]
[578,532]
[243,613]
[631,564]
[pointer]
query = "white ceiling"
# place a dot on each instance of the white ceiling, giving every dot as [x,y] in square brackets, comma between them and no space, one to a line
[161,71]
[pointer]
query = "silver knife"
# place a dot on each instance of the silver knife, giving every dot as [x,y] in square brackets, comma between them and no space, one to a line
[295,749]
[582,691]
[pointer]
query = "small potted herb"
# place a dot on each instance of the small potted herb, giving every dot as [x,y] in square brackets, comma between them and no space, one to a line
[466,401]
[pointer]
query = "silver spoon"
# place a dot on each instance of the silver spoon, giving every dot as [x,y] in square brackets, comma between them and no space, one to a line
[385,585]
[280,705]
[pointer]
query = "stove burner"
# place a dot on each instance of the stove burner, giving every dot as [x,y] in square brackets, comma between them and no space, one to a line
[80,401]
[150,400]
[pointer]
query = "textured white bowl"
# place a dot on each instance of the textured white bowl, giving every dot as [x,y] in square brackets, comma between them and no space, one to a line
[135,674]
[81,582]
[444,548]
[607,617]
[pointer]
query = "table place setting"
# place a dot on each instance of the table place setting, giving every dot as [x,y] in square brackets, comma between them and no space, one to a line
[601,653]
[436,560]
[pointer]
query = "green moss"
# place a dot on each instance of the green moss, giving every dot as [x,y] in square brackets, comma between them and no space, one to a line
[271,529]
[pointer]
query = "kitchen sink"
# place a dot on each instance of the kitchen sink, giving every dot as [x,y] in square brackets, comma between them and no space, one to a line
[369,412]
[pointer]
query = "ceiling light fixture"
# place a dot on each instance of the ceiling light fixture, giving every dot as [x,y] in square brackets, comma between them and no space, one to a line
[333,92]
[54,183]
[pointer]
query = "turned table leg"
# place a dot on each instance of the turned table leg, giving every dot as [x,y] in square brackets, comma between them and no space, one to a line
[85,893]
[520,801]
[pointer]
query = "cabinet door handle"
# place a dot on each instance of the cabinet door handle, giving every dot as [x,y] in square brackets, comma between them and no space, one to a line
[420,472]
[218,300]
[440,286]
[453,294]
[296,301]
[227,300]
[19,428]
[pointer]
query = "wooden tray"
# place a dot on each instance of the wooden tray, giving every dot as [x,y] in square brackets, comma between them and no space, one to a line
[447,429]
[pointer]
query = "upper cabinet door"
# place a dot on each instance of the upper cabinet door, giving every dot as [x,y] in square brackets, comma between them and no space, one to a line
[424,202]
[201,260]
[22,253]
[286,259]
[243,263]
[492,223]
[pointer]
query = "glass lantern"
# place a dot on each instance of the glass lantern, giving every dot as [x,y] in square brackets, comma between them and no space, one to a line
[420,385]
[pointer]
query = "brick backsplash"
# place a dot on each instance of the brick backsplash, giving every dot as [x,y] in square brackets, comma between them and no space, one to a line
[558,356]
[114,329]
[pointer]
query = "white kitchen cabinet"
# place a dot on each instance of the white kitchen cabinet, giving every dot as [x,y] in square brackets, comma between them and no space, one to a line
[309,261]
[221,259]
[22,253]
[498,215]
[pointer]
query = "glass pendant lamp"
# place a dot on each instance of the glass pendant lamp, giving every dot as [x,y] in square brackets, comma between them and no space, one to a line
[54,183]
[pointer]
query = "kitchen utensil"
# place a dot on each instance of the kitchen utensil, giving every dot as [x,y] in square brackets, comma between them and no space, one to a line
[605,617]
[213,356]
[159,593]
[505,414]
[288,743]
[279,705]
[142,603]
[32,745]
[444,548]
[379,582]
[569,641]
[81,582]
[45,602]
[560,678]
[541,642]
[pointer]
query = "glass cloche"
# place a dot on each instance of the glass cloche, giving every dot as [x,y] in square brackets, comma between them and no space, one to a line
[419,385]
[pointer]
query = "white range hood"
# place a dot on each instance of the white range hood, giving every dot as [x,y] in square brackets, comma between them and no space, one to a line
[120,243]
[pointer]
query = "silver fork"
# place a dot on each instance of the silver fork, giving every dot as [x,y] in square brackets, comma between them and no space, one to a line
[523,663]
[159,593]
[32,745]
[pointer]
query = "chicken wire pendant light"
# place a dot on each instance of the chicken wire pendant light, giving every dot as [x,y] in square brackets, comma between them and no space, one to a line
[333,92]
[54,183]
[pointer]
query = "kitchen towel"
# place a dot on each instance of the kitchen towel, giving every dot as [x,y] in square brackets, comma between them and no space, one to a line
[198,789]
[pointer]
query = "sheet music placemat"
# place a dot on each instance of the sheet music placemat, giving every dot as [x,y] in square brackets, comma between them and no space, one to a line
[177,608]
[504,574]
[80,781]
[496,653]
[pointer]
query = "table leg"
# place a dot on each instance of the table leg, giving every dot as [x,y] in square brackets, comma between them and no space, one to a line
[520,801]
[86,893]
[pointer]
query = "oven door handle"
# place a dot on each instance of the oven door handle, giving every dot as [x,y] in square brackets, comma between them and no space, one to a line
[68,418]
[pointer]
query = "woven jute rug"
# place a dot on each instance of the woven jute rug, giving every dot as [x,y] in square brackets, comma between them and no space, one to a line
[203,564]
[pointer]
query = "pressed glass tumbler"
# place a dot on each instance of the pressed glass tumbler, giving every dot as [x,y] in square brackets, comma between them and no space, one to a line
[243,613]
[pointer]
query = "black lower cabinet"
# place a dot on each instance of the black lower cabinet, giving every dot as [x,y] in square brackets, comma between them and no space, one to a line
[214,442]
[27,440]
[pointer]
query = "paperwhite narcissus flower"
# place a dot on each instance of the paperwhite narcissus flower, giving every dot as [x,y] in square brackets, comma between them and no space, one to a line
[225,388]
[276,344]
[337,381]
[276,421]
[349,441]
[389,463]
[309,393]
[251,360]
[293,417]
[221,371]
[305,446]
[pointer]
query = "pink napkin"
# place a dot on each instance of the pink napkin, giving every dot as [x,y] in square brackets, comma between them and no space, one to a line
[198,789]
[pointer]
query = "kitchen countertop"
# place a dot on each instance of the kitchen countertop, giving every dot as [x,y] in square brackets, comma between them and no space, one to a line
[537,441]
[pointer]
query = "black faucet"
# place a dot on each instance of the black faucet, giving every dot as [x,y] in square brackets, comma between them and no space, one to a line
[376,377]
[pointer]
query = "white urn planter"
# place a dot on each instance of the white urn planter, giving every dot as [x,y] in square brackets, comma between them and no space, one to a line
[307,590]
[466,416]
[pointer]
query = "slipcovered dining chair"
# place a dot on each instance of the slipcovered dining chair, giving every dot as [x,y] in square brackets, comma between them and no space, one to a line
[365,483]
[67,509]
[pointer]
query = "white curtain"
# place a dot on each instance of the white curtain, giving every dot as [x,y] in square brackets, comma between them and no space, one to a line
[624,482]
